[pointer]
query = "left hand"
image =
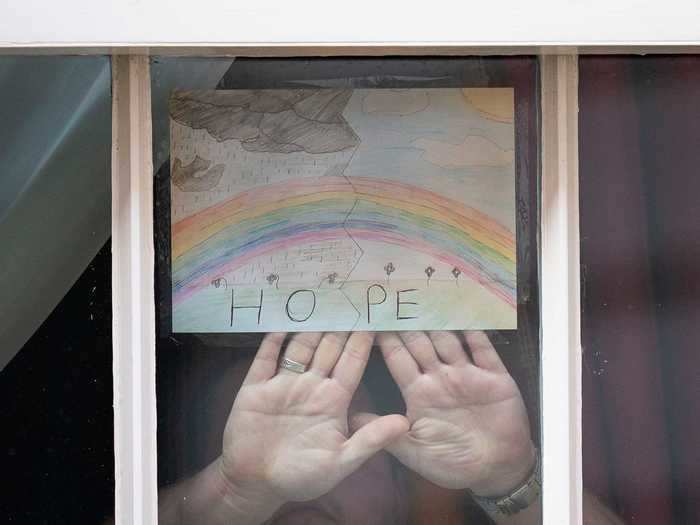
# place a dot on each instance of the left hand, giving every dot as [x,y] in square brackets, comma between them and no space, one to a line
[469,427]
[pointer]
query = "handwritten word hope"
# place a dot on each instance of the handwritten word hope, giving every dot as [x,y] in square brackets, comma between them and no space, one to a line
[301,304]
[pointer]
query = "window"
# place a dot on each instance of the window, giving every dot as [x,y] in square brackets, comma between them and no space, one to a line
[55,290]
[200,369]
[640,240]
[635,120]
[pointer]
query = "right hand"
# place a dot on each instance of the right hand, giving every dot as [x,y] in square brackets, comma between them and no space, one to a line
[469,426]
[286,438]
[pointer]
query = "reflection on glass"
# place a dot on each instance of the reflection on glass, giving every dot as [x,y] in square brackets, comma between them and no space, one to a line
[55,323]
[640,254]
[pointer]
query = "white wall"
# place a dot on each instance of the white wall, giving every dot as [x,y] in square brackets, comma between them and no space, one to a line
[181,22]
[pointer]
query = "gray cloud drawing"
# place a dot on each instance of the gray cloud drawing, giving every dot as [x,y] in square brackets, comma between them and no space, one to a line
[196,176]
[270,120]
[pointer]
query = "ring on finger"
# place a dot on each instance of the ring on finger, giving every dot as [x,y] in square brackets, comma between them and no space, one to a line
[293,366]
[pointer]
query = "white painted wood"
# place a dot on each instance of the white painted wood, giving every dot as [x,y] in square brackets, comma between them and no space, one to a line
[133,303]
[280,22]
[347,49]
[560,284]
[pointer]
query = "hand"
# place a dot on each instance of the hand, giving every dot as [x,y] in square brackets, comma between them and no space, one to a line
[469,427]
[286,438]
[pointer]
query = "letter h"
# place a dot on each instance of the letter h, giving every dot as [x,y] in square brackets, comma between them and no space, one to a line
[234,307]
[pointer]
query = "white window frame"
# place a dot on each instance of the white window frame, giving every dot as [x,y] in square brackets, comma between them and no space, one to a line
[133,299]
[560,370]
[134,302]
[556,31]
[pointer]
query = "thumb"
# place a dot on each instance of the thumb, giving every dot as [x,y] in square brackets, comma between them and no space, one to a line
[398,447]
[401,448]
[373,433]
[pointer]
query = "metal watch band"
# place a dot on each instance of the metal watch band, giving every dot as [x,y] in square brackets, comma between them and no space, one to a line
[521,498]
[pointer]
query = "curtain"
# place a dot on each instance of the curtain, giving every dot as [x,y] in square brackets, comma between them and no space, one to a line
[639,121]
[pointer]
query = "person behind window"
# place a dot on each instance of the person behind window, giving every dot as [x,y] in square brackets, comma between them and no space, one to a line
[301,444]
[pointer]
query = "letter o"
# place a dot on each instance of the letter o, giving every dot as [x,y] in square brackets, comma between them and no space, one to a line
[289,299]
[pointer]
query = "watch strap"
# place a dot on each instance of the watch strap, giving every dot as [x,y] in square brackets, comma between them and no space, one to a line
[519,499]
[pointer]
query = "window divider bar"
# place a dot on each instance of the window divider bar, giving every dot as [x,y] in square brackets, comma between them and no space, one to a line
[133,295]
[561,291]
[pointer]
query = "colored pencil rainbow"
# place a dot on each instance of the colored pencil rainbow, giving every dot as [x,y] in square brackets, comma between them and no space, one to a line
[270,218]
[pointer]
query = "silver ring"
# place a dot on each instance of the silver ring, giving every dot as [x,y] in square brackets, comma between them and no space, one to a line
[293,366]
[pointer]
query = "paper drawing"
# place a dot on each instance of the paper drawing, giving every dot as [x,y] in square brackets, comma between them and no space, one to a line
[343,209]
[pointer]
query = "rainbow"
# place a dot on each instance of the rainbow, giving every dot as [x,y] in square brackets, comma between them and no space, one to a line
[264,220]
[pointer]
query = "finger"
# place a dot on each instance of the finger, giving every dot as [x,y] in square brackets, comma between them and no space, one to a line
[402,367]
[353,360]
[375,435]
[449,347]
[301,349]
[264,365]
[422,350]
[328,352]
[483,352]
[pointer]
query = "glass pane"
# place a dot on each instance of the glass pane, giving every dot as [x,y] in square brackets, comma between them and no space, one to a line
[369,210]
[640,257]
[55,297]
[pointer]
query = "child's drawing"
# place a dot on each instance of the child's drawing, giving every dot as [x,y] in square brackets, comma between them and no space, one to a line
[343,209]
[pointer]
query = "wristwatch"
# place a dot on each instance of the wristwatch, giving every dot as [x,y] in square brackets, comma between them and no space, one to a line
[521,498]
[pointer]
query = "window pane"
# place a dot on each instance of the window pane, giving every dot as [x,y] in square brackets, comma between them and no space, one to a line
[55,298]
[322,197]
[640,256]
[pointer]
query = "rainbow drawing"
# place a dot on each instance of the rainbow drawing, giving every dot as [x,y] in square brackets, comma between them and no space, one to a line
[341,209]
[271,218]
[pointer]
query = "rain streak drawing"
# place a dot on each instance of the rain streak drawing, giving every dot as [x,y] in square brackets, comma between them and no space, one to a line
[343,209]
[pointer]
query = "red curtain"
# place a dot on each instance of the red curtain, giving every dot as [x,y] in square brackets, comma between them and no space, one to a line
[640,247]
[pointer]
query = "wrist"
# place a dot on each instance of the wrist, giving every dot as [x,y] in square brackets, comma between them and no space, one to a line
[245,501]
[506,478]
[524,497]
